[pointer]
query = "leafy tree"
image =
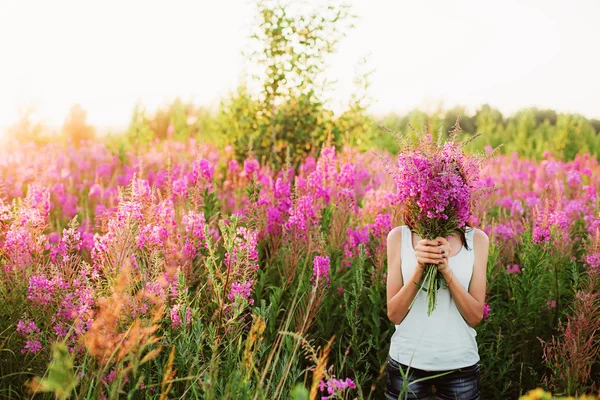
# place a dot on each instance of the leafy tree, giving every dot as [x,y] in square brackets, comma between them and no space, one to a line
[26,129]
[290,113]
[596,125]
[75,128]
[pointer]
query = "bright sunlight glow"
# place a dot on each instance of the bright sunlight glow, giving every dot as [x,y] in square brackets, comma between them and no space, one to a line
[107,55]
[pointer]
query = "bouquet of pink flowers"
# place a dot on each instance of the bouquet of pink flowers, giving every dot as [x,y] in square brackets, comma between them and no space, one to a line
[438,184]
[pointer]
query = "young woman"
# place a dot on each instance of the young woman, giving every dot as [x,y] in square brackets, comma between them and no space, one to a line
[424,346]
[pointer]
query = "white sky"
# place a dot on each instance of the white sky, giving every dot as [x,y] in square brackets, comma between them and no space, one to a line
[107,54]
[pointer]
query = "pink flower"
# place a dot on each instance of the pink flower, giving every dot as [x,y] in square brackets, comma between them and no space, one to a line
[95,190]
[346,177]
[188,316]
[486,311]
[504,231]
[302,216]
[41,290]
[335,386]
[33,346]
[517,208]
[321,266]
[251,166]
[233,166]
[26,327]
[593,260]
[573,178]
[202,169]
[541,234]
[243,290]
[140,190]
[513,269]
[180,187]
[5,213]
[111,376]
[175,317]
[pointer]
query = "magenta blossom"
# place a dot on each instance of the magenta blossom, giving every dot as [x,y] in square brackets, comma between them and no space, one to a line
[321,267]
[486,311]
[335,386]
[513,269]
[243,290]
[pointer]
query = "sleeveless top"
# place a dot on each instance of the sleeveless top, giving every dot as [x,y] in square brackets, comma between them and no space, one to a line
[444,340]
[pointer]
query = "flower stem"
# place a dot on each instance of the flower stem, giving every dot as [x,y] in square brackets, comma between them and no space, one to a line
[432,283]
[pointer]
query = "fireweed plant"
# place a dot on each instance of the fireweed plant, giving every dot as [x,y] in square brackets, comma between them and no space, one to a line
[438,188]
[234,267]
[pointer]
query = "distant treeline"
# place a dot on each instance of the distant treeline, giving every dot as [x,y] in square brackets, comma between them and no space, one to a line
[530,132]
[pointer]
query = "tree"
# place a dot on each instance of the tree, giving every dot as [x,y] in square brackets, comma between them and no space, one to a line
[75,128]
[290,114]
[26,129]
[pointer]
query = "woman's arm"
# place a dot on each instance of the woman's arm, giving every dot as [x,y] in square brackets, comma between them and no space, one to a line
[471,303]
[399,296]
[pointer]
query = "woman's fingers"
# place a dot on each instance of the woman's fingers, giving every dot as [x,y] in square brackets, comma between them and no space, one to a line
[429,257]
[441,239]
[429,261]
[431,249]
[427,242]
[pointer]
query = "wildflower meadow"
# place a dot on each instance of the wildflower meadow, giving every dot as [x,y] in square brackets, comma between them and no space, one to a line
[239,251]
[178,271]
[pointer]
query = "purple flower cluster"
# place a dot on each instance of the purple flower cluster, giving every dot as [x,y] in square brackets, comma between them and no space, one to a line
[251,167]
[334,386]
[302,216]
[505,231]
[513,269]
[176,320]
[436,183]
[41,289]
[593,262]
[321,267]
[486,311]
[243,290]
[355,237]
[68,307]
[31,332]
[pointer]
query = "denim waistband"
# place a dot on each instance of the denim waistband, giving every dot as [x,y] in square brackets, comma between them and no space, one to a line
[404,367]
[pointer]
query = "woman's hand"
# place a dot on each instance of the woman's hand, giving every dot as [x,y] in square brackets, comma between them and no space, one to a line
[446,249]
[431,252]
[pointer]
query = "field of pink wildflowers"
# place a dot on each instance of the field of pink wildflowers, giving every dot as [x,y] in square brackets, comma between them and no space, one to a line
[175,270]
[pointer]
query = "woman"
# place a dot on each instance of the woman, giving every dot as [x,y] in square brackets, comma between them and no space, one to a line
[443,343]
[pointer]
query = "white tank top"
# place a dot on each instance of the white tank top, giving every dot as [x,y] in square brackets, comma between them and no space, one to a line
[444,340]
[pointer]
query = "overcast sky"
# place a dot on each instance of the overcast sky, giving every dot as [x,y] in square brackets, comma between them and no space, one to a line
[109,54]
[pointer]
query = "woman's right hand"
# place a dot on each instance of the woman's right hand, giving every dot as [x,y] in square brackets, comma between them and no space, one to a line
[429,252]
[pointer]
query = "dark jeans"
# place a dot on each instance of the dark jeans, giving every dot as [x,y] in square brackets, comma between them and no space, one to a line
[462,383]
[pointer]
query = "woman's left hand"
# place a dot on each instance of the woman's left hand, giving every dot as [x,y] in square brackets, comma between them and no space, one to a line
[446,249]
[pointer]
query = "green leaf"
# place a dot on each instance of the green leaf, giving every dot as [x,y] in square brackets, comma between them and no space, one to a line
[61,378]
[299,393]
